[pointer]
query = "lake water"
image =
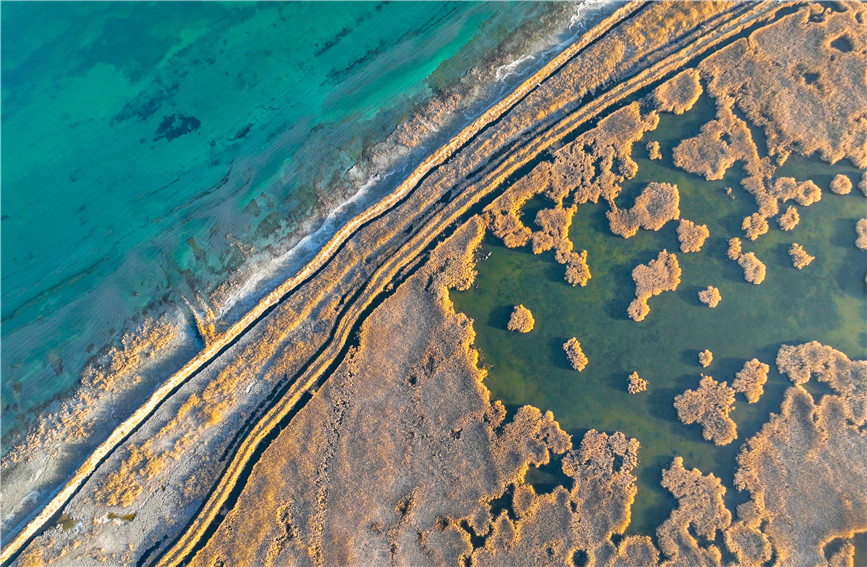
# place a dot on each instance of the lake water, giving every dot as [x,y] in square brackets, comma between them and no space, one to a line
[825,301]
[151,148]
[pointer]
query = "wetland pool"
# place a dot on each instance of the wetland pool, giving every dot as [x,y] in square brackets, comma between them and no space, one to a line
[825,301]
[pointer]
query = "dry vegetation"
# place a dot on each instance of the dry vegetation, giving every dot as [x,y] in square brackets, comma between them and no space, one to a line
[710,296]
[656,205]
[598,161]
[789,219]
[554,224]
[841,185]
[720,143]
[800,258]
[709,406]
[700,513]
[661,274]
[734,249]
[577,270]
[636,384]
[691,235]
[754,226]
[502,215]
[554,233]
[805,469]
[861,234]
[576,356]
[705,358]
[357,476]
[750,380]
[521,320]
[754,269]
[679,94]
[653,150]
[821,75]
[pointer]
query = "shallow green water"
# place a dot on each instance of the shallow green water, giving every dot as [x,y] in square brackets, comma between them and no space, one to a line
[144,141]
[825,301]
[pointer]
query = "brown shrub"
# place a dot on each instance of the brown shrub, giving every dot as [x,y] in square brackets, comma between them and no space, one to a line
[709,406]
[734,250]
[754,269]
[750,380]
[800,258]
[861,234]
[691,235]
[521,320]
[576,356]
[661,274]
[710,296]
[789,219]
[657,204]
[841,185]
[678,94]
[754,226]
[636,384]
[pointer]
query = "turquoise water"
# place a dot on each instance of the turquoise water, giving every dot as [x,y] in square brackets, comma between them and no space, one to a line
[150,147]
[825,301]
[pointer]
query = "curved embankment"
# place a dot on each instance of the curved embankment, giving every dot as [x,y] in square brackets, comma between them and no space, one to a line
[433,227]
[231,335]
